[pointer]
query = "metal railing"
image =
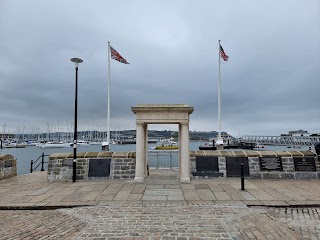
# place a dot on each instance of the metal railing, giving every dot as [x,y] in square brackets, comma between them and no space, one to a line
[163,159]
[156,159]
[42,163]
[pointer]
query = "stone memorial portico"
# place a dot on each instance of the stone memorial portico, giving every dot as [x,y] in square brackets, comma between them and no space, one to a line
[162,114]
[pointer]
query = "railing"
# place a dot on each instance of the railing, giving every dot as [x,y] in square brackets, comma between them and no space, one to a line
[163,159]
[281,140]
[156,159]
[42,163]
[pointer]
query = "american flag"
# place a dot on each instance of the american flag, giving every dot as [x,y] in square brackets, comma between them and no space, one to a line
[224,56]
[116,56]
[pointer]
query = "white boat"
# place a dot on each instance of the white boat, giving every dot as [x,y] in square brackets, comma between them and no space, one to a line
[32,143]
[55,145]
[83,143]
[167,144]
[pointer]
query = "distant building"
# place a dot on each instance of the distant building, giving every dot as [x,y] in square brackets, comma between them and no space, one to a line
[6,135]
[299,133]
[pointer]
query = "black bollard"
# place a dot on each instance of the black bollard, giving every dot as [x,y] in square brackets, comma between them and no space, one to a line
[0,143]
[31,168]
[242,177]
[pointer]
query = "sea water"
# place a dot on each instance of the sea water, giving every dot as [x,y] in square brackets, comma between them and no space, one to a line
[25,155]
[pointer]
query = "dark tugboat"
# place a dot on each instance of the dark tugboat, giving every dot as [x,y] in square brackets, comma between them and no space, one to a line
[208,146]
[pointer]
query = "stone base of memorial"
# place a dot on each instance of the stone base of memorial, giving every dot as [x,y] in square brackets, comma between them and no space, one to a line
[203,164]
[92,165]
[256,164]
[8,166]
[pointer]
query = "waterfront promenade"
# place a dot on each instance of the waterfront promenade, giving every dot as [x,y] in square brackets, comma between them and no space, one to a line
[160,208]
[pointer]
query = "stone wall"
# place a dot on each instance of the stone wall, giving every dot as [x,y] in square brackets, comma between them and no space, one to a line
[122,165]
[8,166]
[258,168]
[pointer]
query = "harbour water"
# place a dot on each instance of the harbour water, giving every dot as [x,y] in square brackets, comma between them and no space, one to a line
[25,155]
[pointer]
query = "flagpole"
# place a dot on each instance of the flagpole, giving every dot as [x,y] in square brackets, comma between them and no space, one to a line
[219,140]
[108,111]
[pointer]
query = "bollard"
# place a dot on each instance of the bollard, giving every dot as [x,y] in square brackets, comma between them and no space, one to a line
[242,177]
[74,170]
[31,169]
[158,163]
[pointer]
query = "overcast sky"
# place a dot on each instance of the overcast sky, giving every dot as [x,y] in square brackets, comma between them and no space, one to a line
[269,86]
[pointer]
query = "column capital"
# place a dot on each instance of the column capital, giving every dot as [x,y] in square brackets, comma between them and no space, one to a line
[184,123]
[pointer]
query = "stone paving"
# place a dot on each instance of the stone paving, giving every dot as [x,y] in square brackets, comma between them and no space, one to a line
[160,208]
[33,191]
[162,221]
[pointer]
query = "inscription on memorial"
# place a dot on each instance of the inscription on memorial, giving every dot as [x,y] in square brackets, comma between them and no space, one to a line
[306,164]
[99,167]
[270,163]
[233,165]
[206,163]
[67,162]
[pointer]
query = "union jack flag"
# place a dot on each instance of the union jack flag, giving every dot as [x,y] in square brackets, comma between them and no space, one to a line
[224,56]
[116,56]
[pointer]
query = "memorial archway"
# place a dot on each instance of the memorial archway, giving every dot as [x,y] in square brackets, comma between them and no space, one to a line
[162,114]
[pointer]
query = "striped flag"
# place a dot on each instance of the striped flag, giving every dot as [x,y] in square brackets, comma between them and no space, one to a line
[224,56]
[116,56]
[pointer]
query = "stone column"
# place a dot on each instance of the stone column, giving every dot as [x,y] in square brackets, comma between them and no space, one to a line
[185,158]
[145,131]
[179,138]
[140,153]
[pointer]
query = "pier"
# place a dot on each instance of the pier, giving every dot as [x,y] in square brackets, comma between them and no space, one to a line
[133,141]
[281,140]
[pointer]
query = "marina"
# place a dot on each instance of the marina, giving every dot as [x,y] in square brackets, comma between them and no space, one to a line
[25,155]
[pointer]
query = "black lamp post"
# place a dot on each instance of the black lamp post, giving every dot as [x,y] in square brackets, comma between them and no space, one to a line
[74,164]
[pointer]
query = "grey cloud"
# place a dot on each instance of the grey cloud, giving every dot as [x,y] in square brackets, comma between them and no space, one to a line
[269,85]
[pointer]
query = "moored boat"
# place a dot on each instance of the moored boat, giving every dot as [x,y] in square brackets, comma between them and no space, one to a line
[55,145]
[83,143]
[167,145]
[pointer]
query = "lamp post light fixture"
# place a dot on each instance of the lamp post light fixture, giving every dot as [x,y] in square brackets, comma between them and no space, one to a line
[74,163]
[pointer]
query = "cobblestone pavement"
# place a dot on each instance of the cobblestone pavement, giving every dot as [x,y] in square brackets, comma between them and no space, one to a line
[31,225]
[162,221]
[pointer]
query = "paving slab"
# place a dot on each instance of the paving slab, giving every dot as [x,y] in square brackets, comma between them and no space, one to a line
[162,192]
